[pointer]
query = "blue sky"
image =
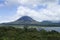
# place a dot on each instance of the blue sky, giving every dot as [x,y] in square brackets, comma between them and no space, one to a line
[39,10]
[7,11]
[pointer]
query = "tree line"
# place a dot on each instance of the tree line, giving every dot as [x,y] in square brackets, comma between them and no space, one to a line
[12,33]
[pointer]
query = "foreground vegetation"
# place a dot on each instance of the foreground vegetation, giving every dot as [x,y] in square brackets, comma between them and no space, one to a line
[12,33]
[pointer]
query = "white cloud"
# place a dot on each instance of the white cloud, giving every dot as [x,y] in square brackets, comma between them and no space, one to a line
[27,7]
[52,12]
[44,14]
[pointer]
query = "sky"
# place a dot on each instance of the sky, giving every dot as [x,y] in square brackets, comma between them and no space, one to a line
[39,10]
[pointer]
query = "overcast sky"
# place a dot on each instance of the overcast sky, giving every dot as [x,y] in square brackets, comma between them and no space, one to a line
[40,10]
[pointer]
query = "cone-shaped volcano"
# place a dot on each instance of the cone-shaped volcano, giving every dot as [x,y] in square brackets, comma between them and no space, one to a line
[25,20]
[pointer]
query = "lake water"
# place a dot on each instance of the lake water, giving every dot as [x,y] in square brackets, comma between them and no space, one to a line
[51,28]
[46,28]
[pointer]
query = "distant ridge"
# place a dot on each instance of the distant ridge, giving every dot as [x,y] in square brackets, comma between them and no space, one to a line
[29,21]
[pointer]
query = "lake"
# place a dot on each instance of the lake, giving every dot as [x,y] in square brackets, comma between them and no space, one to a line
[46,28]
[51,28]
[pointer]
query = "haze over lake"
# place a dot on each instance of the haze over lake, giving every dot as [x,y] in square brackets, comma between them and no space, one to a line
[51,28]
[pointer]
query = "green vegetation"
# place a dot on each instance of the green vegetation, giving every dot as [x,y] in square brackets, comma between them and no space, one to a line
[12,33]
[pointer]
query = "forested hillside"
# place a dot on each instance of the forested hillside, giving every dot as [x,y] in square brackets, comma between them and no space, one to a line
[11,33]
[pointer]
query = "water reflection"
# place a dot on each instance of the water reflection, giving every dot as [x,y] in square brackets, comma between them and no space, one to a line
[51,28]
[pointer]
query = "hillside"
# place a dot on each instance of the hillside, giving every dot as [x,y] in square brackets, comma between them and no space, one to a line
[26,20]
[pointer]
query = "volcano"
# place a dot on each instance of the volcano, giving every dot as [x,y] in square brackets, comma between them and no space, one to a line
[24,20]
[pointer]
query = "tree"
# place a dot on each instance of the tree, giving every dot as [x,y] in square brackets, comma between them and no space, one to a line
[25,28]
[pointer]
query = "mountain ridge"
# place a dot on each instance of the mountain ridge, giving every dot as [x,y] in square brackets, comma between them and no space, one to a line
[26,20]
